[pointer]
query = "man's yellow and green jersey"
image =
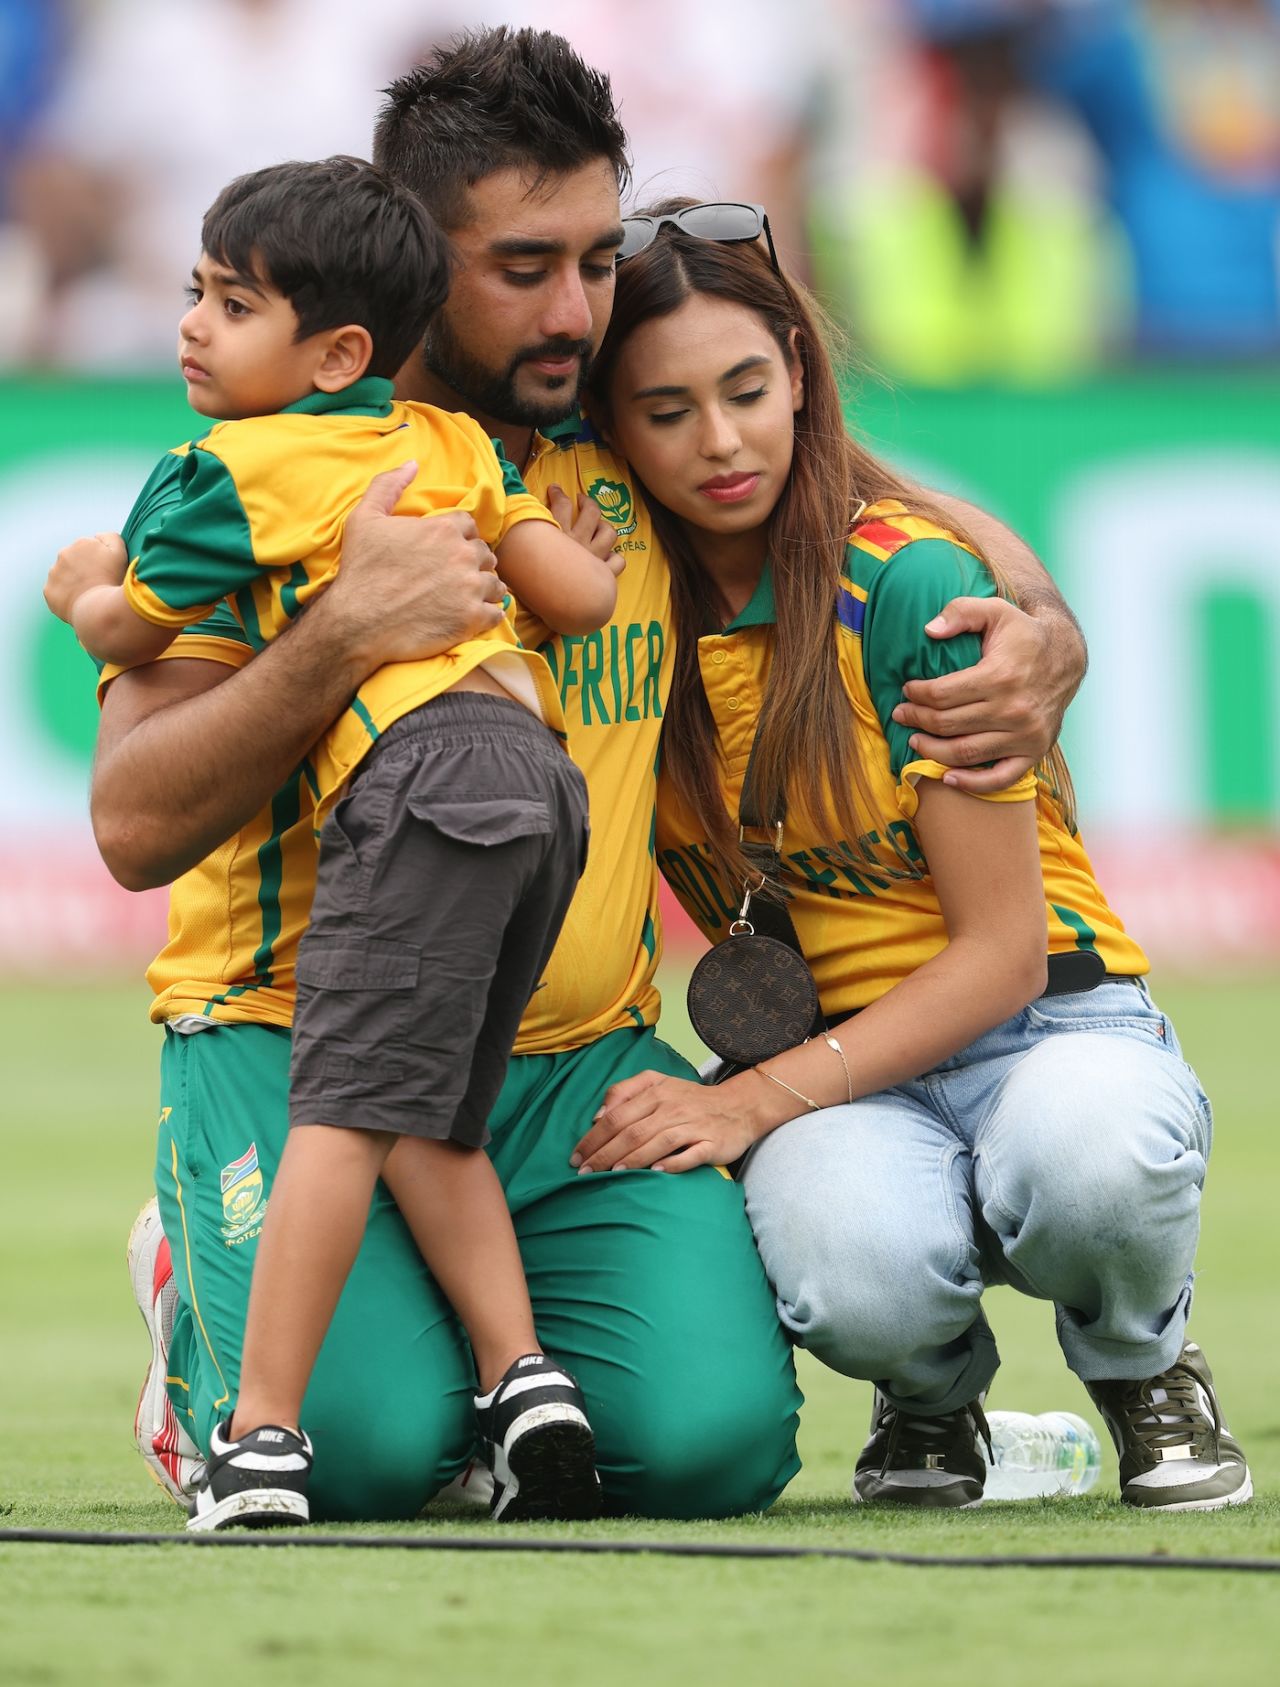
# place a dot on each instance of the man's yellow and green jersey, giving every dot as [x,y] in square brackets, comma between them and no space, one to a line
[258,525]
[614,684]
[864,908]
[235,919]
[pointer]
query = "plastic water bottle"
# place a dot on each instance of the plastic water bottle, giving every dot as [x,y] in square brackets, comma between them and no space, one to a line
[1036,1457]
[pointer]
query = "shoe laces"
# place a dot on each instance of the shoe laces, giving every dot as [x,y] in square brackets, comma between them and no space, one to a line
[1167,1411]
[917,1437]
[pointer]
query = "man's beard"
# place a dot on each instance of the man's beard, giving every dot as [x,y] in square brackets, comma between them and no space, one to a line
[493,392]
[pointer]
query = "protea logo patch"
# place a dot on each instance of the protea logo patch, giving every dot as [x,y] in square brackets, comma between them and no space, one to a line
[616,502]
[243,1202]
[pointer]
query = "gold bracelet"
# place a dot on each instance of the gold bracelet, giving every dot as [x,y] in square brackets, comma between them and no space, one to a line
[831,1043]
[813,1106]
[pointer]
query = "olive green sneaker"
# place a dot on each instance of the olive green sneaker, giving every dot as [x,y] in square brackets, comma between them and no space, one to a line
[922,1461]
[1175,1451]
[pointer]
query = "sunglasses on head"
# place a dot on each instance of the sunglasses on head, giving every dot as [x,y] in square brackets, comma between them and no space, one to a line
[730,224]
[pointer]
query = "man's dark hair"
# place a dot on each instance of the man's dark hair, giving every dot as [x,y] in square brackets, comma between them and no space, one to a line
[495,99]
[343,243]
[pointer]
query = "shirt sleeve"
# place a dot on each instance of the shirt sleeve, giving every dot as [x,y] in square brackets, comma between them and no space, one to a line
[904,593]
[217,638]
[521,505]
[195,553]
[158,498]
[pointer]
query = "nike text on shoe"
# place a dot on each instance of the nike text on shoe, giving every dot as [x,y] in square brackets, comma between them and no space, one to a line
[539,1445]
[1176,1453]
[259,1481]
[170,1454]
[922,1461]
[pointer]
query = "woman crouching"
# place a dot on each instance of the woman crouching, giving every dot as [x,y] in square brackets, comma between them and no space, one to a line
[996,1099]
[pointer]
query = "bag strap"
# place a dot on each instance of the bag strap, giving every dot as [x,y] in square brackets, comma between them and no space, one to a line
[769,915]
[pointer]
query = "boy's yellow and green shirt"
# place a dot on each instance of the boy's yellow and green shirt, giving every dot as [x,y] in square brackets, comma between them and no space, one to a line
[235,918]
[864,908]
[258,525]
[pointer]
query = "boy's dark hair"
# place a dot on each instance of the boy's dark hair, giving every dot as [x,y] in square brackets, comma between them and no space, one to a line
[343,243]
[495,99]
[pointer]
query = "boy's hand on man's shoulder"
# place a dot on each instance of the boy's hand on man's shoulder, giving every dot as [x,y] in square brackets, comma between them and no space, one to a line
[586,523]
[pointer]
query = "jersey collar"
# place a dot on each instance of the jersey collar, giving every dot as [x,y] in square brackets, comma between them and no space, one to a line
[760,611]
[369,396]
[574,430]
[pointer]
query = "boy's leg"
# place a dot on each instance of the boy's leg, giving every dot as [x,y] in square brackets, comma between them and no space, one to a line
[444,876]
[532,1421]
[310,1238]
[453,1203]
[649,1286]
[390,1398]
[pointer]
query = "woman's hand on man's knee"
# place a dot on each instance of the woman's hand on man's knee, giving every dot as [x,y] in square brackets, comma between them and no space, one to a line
[668,1124]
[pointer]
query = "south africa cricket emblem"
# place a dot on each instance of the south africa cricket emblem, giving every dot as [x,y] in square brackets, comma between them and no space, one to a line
[616,503]
[243,1200]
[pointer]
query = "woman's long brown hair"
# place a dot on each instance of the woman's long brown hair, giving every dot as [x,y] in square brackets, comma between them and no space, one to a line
[805,744]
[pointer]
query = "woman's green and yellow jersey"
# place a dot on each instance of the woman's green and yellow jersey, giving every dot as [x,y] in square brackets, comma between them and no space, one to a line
[864,907]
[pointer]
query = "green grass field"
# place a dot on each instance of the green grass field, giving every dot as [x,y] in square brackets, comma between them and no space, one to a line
[79,1101]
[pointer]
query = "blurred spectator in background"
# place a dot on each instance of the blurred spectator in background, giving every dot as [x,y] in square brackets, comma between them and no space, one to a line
[720,100]
[1007,189]
[1183,100]
[1056,178]
[972,242]
[32,37]
[158,105]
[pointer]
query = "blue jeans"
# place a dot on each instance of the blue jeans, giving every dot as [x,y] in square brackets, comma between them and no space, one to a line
[1062,1152]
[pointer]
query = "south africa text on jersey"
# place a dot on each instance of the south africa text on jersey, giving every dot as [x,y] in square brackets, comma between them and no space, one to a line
[616,672]
[842,871]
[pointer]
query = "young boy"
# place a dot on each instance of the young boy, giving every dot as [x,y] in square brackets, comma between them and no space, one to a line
[454,823]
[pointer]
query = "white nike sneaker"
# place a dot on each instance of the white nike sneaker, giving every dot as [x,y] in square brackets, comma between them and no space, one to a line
[538,1444]
[258,1482]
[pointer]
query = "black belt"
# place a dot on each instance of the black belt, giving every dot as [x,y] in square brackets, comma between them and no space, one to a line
[1070,974]
[1080,970]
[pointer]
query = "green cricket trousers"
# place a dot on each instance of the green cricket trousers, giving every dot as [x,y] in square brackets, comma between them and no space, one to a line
[646,1284]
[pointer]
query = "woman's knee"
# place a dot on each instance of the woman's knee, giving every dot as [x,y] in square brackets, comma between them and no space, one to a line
[867,1311]
[1092,1138]
[870,1335]
[869,1263]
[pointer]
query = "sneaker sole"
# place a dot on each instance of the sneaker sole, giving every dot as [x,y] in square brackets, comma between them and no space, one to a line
[165,1464]
[1240,1496]
[260,1508]
[914,1504]
[551,1473]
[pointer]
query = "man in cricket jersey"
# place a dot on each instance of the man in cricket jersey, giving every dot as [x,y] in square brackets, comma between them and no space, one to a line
[647,1285]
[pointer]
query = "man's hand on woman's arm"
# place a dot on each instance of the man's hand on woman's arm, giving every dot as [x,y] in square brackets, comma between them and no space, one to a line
[1006,711]
[190,750]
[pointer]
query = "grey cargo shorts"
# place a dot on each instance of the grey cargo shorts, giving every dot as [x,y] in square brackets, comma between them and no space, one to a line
[445,874]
